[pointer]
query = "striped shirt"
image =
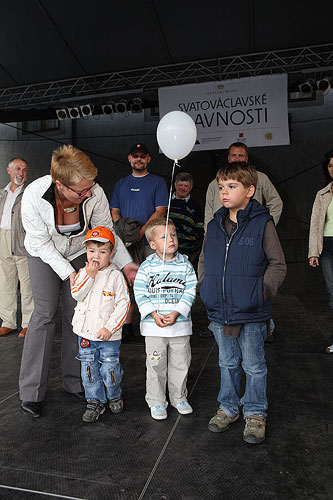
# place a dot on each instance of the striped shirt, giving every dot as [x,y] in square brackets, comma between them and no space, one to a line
[165,288]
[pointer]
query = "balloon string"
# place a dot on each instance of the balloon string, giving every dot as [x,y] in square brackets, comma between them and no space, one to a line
[166,225]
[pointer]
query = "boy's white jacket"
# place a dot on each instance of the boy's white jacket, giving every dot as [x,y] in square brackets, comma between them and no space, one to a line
[103,302]
[42,238]
[165,287]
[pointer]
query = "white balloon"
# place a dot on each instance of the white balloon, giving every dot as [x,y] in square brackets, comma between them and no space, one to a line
[176,135]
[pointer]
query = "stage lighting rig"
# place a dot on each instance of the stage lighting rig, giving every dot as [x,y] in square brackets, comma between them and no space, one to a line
[324,84]
[307,87]
[86,109]
[136,105]
[121,106]
[74,112]
[107,108]
[62,114]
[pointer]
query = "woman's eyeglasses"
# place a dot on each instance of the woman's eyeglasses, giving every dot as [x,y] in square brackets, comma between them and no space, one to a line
[80,193]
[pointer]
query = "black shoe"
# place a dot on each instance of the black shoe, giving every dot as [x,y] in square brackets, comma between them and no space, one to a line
[32,408]
[77,396]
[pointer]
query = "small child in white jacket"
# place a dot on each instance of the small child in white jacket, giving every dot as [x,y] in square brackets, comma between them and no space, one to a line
[103,302]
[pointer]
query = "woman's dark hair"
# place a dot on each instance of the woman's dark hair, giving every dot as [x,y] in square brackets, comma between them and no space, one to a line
[326,161]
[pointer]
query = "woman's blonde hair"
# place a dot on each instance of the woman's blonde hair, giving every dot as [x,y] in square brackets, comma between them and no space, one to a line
[70,165]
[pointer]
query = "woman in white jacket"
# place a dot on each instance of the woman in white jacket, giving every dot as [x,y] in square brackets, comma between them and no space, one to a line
[321,233]
[57,212]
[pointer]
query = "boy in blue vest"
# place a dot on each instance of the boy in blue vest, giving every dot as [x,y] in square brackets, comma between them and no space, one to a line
[244,266]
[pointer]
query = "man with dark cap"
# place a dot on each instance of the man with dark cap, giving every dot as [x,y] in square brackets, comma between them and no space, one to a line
[141,196]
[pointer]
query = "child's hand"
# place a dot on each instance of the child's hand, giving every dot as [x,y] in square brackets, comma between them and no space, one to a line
[72,278]
[104,334]
[92,268]
[170,319]
[158,318]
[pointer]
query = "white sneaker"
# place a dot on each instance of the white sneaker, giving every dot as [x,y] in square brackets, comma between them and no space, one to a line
[329,349]
[184,408]
[158,412]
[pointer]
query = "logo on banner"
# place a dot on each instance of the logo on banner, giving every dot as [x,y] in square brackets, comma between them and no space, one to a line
[224,110]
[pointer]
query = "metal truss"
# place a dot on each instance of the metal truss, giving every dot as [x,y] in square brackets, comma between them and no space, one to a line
[291,61]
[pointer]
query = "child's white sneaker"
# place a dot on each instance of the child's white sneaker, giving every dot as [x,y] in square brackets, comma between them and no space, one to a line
[158,412]
[184,408]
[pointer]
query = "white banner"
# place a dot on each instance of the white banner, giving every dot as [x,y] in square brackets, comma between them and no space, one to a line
[251,110]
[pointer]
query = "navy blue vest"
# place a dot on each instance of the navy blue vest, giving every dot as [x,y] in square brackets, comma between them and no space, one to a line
[232,289]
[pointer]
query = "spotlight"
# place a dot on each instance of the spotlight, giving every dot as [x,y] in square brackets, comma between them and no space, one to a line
[107,109]
[86,109]
[136,105]
[62,114]
[307,87]
[324,84]
[121,106]
[74,112]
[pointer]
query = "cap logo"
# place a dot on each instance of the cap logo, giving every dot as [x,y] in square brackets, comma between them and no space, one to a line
[95,233]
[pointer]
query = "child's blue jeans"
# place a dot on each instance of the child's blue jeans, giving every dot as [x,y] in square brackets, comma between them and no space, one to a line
[245,351]
[101,372]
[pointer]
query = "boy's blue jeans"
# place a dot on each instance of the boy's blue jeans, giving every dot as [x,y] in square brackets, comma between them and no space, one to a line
[101,372]
[235,353]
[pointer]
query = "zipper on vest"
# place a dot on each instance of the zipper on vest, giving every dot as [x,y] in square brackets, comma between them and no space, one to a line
[225,260]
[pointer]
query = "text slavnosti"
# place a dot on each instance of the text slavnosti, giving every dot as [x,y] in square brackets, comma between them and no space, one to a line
[228,111]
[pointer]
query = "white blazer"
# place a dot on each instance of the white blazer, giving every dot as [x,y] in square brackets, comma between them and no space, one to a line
[42,238]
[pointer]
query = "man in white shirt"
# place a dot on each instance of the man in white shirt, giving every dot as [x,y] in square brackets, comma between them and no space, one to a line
[13,260]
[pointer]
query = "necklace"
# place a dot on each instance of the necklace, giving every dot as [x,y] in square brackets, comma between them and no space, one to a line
[68,210]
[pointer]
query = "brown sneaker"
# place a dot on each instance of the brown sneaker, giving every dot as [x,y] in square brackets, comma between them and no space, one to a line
[116,405]
[254,430]
[221,421]
[93,411]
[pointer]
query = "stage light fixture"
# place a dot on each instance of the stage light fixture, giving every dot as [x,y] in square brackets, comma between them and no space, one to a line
[307,86]
[121,106]
[107,109]
[62,114]
[74,112]
[86,109]
[136,105]
[324,84]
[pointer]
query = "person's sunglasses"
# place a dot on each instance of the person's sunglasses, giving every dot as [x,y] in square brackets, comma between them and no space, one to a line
[135,156]
[80,193]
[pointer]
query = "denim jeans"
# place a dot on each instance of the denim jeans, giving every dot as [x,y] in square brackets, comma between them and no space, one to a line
[235,353]
[326,260]
[100,369]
